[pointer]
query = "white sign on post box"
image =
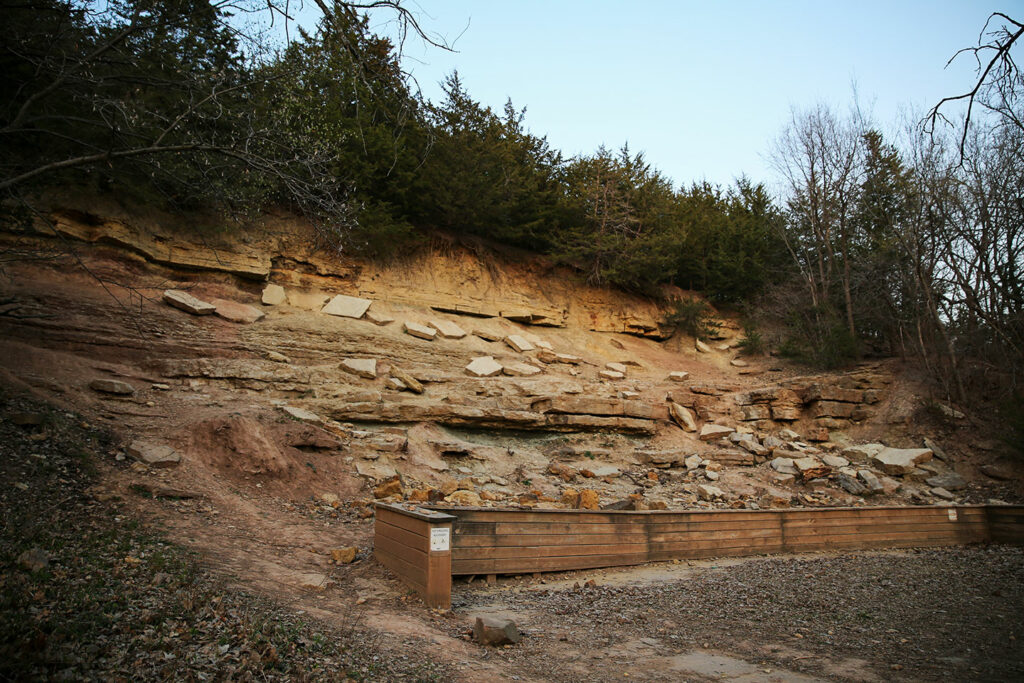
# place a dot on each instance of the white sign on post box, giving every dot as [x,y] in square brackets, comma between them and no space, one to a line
[440,539]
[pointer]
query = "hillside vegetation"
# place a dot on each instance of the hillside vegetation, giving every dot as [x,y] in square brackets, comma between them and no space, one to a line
[882,244]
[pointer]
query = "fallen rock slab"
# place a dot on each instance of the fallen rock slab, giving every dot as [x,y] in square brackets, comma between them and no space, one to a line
[900,460]
[153,454]
[495,631]
[410,382]
[346,306]
[236,312]
[112,386]
[274,295]
[302,414]
[188,303]
[682,417]
[611,374]
[951,481]
[520,370]
[378,317]
[420,331]
[484,366]
[518,343]
[678,376]
[712,432]
[616,367]
[363,367]
[447,329]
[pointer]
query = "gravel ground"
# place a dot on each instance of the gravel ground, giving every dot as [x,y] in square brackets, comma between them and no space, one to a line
[935,614]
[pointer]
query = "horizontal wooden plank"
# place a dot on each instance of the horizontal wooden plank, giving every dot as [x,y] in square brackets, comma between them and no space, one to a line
[400,535]
[413,556]
[405,571]
[411,524]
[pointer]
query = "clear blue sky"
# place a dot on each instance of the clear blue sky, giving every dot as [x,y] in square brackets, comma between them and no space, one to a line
[702,88]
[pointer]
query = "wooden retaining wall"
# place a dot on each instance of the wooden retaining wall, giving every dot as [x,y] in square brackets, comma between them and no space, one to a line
[497,541]
[416,545]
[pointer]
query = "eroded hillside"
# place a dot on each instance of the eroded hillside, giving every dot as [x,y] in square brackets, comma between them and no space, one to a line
[264,392]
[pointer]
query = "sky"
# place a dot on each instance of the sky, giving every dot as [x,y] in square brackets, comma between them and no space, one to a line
[701,88]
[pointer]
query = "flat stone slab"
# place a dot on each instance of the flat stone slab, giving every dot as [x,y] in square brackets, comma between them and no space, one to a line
[901,460]
[447,329]
[378,317]
[188,303]
[487,335]
[682,416]
[520,370]
[519,343]
[616,367]
[702,347]
[951,481]
[112,386]
[153,454]
[611,374]
[678,376]
[274,295]
[236,312]
[364,367]
[419,331]
[485,366]
[346,306]
[712,432]
[302,414]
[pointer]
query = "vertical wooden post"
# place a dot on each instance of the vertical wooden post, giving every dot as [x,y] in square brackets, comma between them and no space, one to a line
[439,562]
[416,544]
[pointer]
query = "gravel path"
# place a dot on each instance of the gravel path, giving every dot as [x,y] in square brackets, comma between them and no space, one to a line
[937,614]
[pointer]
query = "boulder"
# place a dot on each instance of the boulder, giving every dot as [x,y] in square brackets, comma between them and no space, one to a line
[273,295]
[783,465]
[996,472]
[153,454]
[678,376]
[755,412]
[235,312]
[447,329]
[344,555]
[187,302]
[589,500]
[682,417]
[834,461]
[518,343]
[420,331]
[712,432]
[811,468]
[870,481]
[465,498]
[709,492]
[391,487]
[900,460]
[850,484]
[363,367]
[112,386]
[484,366]
[495,631]
[936,451]
[950,481]
[346,306]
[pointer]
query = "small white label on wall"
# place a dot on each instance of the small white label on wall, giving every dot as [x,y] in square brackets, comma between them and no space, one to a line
[440,539]
[952,514]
